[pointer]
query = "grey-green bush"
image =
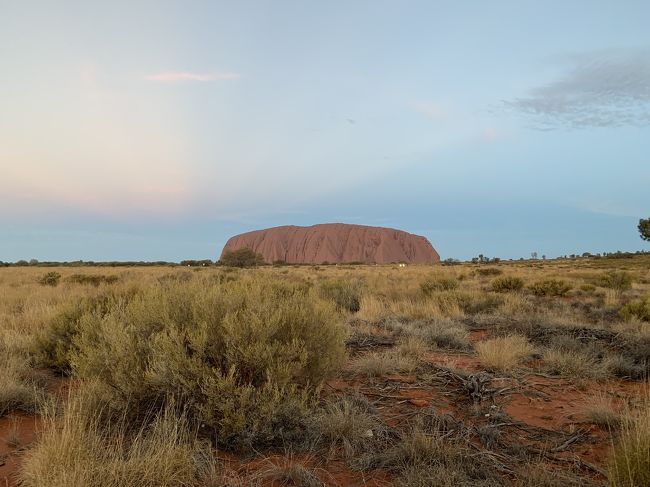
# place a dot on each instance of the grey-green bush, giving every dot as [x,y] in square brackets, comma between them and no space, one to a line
[244,357]
[432,284]
[507,284]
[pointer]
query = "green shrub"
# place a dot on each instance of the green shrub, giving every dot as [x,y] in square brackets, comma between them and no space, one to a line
[50,279]
[637,309]
[507,284]
[243,257]
[246,357]
[432,284]
[550,287]
[345,294]
[92,279]
[617,280]
[53,342]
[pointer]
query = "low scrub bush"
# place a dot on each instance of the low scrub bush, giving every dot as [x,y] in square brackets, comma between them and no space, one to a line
[484,303]
[92,279]
[433,284]
[504,353]
[50,279]
[488,271]
[507,284]
[345,294]
[588,288]
[246,357]
[550,287]
[433,455]
[441,333]
[619,281]
[639,310]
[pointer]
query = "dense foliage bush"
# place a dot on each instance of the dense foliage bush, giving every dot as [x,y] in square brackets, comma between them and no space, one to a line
[550,287]
[432,284]
[507,284]
[245,357]
[53,342]
[243,257]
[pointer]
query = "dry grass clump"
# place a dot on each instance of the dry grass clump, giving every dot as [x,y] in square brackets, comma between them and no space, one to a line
[377,364]
[412,346]
[427,455]
[540,475]
[75,450]
[442,333]
[550,287]
[504,353]
[19,388]
[600,409]
[371,308]
[507,284]
[574,363]
[348,423]
[630,462]
[289,472]
[246,357]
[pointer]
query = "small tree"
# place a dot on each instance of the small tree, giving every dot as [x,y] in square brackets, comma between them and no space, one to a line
[644,228]
[243,257]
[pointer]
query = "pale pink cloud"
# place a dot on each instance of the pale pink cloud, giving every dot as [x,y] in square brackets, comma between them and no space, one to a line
[432,111]
[492,134]
[174,76]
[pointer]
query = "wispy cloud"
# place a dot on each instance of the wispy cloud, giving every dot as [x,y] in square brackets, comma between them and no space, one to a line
[176,76]
[603,89]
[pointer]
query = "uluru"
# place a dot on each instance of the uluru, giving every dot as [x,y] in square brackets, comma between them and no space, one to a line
[335,243]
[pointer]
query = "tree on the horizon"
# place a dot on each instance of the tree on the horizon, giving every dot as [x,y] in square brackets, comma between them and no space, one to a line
[644,228]
[243,257]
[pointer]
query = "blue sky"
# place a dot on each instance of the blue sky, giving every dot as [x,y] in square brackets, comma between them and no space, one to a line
[155,130]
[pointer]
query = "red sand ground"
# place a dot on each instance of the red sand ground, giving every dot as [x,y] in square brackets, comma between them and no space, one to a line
[550,404]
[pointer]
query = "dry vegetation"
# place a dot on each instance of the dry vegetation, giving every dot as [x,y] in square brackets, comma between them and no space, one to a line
[527,373]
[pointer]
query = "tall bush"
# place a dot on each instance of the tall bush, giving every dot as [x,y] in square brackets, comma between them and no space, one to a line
[245,357]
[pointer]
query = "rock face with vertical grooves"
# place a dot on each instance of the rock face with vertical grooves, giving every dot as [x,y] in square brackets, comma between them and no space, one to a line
[336,243]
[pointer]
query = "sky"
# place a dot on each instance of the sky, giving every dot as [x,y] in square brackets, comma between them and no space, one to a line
[155,130]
